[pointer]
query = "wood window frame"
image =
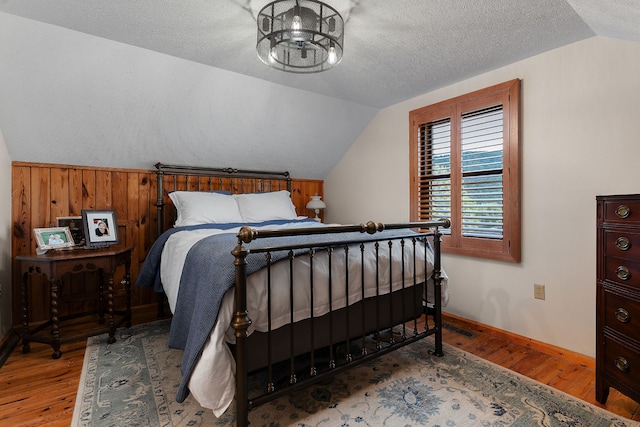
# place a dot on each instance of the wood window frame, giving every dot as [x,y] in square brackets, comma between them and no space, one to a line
[508,248]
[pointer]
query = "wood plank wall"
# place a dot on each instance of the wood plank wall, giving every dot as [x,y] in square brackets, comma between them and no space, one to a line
[43,192]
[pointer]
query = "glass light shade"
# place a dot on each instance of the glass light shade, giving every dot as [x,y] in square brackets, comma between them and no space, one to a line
[332,58]
[316,204]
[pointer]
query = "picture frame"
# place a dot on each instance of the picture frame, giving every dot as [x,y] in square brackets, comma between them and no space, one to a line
[100,227]
[76,226]
[53,238]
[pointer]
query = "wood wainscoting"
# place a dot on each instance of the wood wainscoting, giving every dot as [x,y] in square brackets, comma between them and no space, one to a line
[43,192]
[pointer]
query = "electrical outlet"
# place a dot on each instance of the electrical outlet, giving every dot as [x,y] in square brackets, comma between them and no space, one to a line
[538,291]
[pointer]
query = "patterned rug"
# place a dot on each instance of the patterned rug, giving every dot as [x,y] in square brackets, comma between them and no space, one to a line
[133,383]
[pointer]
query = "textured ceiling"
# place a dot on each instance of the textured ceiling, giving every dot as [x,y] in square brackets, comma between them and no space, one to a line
[394,50]
[128,83]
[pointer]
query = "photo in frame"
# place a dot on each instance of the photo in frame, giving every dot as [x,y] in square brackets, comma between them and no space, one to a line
[76,226]
[53,238]
[100,227]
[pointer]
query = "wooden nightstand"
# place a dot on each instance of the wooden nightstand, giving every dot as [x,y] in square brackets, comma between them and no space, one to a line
[53,266]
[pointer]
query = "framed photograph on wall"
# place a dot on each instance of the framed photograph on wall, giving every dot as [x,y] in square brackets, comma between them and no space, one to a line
[100,228]
[53,238]
[75,225]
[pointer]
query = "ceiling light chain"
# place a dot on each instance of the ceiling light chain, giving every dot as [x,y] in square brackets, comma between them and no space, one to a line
[300,36]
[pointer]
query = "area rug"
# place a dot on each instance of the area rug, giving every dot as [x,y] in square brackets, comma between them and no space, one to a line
[133,382]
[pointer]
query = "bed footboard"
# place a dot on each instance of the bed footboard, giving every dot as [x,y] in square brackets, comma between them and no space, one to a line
[365,327]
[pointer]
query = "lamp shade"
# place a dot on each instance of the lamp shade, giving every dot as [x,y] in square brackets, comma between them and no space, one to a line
[316,203]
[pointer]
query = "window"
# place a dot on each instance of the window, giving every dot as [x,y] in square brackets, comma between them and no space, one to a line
[465,165]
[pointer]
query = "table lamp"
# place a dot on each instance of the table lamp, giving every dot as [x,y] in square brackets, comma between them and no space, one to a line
[316,204]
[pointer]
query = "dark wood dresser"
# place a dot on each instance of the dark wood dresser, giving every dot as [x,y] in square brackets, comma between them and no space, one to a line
[618,297]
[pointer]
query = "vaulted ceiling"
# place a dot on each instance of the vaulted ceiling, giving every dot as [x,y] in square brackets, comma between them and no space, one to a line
[394,50]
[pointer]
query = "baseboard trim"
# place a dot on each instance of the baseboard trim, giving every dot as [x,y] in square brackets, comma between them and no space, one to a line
[540,346]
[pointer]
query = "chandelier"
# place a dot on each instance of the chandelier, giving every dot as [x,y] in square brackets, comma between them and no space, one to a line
[300,36]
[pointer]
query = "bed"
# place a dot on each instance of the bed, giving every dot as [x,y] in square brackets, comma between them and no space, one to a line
[255,288]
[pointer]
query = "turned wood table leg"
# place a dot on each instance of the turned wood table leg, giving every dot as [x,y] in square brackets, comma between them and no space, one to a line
[127,313]
[100,297]
[25,313]
[55,331]
[127,287]
[112,326]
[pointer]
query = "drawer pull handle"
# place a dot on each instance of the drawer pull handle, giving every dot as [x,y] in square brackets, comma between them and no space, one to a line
[623,315]
[623,211]
[622,364]
[623,273]
[623,243]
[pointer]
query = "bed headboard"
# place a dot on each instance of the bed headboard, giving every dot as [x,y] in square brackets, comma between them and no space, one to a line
[193,178]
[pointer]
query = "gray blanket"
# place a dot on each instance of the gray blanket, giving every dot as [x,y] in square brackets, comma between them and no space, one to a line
[208,273]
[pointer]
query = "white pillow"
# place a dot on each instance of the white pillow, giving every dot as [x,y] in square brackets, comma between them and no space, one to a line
[258,207]
[200,207]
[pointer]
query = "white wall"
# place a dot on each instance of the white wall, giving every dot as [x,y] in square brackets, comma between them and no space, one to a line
[5,239]
[580,132]
[71,98]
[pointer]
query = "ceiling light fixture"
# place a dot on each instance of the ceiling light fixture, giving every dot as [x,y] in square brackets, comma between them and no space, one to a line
[300,36]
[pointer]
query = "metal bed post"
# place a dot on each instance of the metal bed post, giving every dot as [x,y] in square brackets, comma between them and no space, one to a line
[437,292]
[160,225]
[240,324]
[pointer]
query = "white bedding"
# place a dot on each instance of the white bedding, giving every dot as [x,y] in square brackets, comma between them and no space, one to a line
[212,382]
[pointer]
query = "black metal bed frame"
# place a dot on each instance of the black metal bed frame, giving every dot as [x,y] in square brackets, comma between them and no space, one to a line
[368,310]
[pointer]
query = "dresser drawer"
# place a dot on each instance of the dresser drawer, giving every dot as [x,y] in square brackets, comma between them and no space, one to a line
[622,270]
[622,243]
[621,313]
[622,211]
[622,363]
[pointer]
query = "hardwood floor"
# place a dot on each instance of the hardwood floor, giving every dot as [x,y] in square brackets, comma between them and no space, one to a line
[36,390]
[571,373]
